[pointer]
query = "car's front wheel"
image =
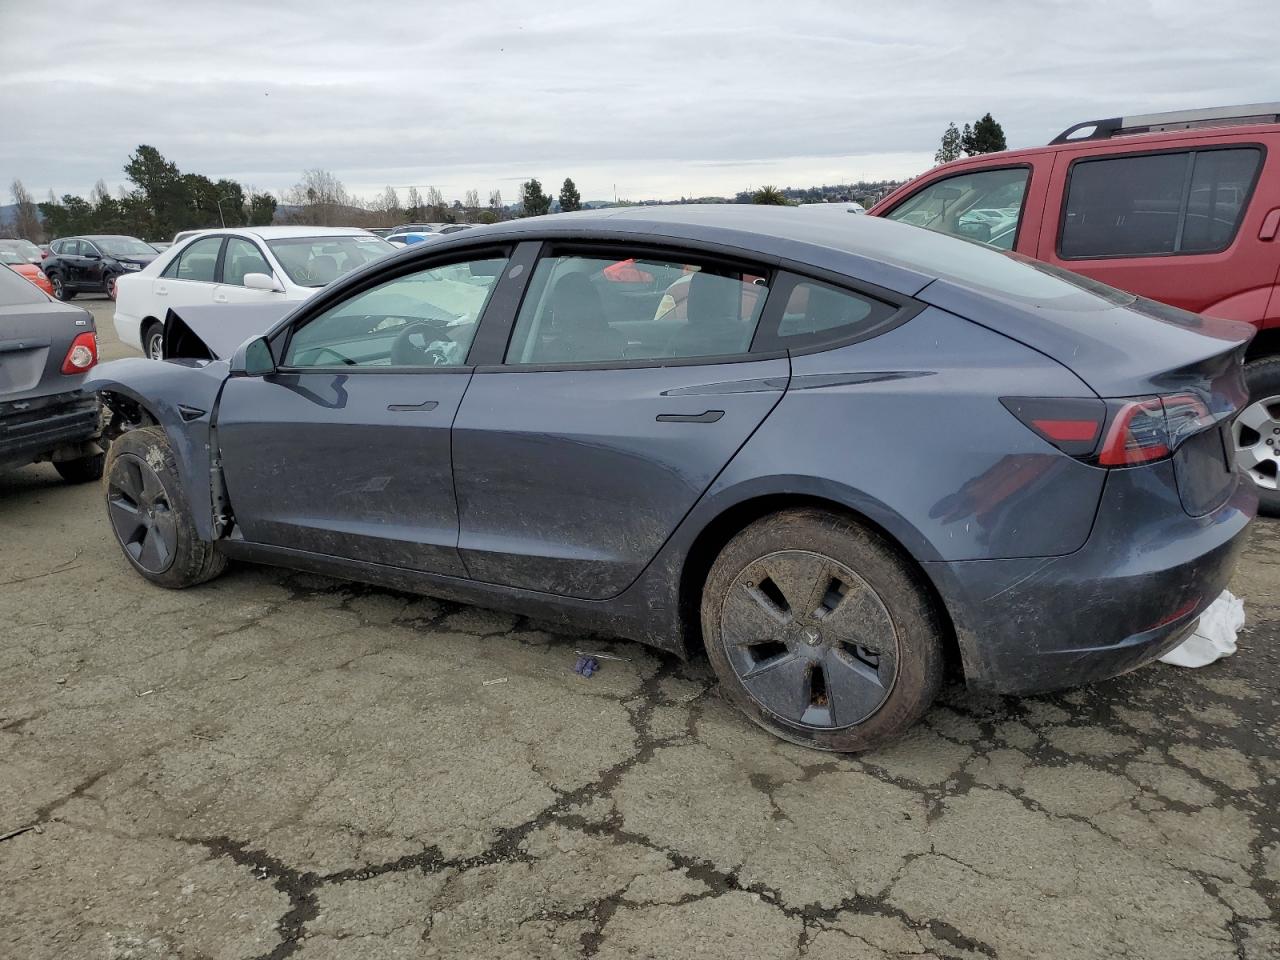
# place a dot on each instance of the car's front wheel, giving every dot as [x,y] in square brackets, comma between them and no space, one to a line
[820,631]
[1257,433]
[150,514]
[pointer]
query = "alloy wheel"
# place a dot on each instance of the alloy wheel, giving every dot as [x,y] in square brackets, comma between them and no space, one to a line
[142,514]
[1256,432]
[155,345]
[59,291]
[811,641]
[111,287]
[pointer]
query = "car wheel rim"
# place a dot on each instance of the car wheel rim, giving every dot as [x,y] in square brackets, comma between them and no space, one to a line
[154,344]
[111,288]
[141,514]
[1257,437]
[810,640]
[57,288]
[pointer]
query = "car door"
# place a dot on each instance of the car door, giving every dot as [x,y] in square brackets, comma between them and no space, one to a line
[190,278]
[578,454]
[1181,225]
[241,257]
[344,450]
[75,262]
[92,266]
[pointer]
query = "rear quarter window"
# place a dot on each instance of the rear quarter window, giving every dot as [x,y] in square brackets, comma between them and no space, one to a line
[16,289]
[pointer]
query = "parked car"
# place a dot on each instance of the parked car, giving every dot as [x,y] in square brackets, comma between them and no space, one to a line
[1181,207]
[46,348]
[27,250]
[93,264]
[237,265]
[863,448]
[26,269]
[404,239]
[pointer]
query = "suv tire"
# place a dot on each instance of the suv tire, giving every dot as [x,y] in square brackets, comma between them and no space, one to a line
[1256,433]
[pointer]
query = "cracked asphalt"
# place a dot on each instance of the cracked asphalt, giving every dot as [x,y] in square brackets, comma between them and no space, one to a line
[279,765]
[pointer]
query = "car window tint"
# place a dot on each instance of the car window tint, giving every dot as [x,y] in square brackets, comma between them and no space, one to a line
[242,257]
[197,261]
[423,319]
[591,310]
[985,206]
[815,311]
[1185,202]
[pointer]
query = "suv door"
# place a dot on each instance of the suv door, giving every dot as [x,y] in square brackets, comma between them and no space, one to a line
[344,449]
[1180,225]
[578,454]
[74,262]
[190,277]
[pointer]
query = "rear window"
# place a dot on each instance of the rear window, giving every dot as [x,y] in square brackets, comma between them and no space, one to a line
[16,289]
[1157,204]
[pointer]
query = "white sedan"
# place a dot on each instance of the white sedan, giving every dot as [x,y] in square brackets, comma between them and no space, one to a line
[237,265]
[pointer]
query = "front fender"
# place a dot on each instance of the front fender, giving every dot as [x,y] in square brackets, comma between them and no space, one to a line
[180,396]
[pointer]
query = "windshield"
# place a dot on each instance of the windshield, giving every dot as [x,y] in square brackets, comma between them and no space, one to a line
[315,261]
[23,248]
[125,247]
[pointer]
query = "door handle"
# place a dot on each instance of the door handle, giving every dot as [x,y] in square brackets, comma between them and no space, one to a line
[1270,225]
[707,416]
[219,298]
[424,406]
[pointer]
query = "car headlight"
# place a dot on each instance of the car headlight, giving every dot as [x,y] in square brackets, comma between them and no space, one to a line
[131,266]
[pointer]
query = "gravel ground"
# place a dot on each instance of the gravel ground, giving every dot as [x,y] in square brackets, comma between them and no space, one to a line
[281,765]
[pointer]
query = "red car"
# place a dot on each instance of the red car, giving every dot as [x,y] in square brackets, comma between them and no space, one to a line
[1178,207]
[21,265]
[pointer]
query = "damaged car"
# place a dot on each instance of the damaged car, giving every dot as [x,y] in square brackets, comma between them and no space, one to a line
[857,455]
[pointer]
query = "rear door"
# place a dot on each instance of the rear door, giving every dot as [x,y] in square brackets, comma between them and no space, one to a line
[190,278]
[344,450]
[578,454]
[1177,224]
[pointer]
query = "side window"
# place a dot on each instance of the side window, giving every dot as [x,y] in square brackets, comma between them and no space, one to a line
[423,319]
[817,313]
[242,257]
[985,206]
[197,261]
[1162,203]
[582,309]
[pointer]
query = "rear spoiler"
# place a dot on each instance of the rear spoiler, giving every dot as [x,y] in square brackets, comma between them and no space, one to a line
[213,332]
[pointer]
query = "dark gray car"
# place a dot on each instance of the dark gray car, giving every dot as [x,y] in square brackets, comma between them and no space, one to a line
[46,348]
[833,454]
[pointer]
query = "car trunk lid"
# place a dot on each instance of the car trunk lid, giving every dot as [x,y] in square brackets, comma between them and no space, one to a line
[34,340]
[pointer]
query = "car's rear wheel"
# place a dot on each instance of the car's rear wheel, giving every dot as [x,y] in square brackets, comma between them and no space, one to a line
[820,632]
[153,341]
[1257,433]
[82,469]
[150,514]
[60,289]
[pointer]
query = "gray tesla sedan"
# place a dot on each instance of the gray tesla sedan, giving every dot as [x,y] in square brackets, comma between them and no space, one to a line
[835,455]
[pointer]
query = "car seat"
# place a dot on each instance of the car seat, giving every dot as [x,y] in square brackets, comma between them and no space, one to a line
[714,311]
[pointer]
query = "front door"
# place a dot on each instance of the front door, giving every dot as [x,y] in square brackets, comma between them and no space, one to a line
[578,457]
[188,280]
[344,451]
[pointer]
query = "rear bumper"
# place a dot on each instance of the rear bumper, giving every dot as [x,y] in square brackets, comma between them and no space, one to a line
[1129,595]
[42,428]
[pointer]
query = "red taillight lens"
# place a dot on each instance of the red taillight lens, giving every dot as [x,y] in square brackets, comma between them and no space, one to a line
[1071,424]
[82,355]
[1138,434]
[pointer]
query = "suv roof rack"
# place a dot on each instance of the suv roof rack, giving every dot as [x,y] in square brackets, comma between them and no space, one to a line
[1174,120]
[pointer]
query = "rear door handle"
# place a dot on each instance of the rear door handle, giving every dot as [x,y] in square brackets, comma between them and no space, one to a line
[423,406]
[707,416]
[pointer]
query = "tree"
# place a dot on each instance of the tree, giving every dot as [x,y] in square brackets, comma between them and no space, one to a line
[950,149]
[985,136]
[570,198]
[770,195]
[319,199]
[435,204]
[495,204]
[26,218]
[262,209]
[389,206]
[471,201]
[535,202]
[162,186]
[413,206]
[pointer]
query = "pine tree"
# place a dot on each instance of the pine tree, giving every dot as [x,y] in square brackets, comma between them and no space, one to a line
[570,198]
[535,202]
[985,136]
[950,148]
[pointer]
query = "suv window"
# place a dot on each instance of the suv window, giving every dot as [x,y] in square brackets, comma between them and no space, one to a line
[582,309]
[242,257]
[1159,203]
[985,205]
[423,319]
[197,261]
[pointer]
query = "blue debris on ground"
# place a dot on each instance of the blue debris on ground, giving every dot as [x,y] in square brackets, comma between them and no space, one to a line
[586,666]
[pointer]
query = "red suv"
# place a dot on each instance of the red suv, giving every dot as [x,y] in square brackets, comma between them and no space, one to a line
[1179,207]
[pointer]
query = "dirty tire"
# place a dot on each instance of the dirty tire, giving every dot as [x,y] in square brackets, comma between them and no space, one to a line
[821,632]
[150,514]
[153,341]
[1263,378]
[81,470]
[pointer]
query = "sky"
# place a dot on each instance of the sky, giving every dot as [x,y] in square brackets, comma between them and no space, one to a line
[634,99]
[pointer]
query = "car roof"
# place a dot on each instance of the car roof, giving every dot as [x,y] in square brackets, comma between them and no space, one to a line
[276,233]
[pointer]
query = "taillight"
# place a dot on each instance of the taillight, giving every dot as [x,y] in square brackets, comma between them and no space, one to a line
[1133,431]
[82,355]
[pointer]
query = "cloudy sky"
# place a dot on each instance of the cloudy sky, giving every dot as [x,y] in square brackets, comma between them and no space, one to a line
[653,99]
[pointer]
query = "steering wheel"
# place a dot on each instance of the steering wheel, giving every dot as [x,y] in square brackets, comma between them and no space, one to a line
[406,353]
